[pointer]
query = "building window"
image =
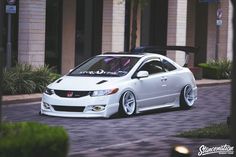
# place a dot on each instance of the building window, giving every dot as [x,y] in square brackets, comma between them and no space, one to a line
[88,29]
[127,25]
[53,34]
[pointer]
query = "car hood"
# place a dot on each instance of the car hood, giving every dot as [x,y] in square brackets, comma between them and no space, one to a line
[85,83]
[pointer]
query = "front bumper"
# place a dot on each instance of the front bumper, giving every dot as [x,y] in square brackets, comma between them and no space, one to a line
[195,93]
[110,106]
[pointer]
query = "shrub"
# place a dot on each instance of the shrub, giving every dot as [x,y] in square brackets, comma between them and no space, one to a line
[30,139]
[217,69]
[18,80]
[41,77]
[214,131]
[25,79]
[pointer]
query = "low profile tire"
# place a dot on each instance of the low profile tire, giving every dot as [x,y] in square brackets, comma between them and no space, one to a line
[127,104]
[40,113]
[187,97]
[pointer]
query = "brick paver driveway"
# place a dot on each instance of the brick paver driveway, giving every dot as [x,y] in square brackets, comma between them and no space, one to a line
[148,134]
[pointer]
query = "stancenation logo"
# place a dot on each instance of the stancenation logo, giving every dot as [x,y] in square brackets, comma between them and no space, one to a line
[223,149]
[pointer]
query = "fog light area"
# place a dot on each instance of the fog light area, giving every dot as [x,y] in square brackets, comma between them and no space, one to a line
[97,108]
[46,105]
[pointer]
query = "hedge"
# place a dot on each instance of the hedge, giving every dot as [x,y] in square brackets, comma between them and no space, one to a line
[217,69]
[31,139]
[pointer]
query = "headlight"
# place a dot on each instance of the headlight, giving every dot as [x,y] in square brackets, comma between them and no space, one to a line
[49,91]
[104,92]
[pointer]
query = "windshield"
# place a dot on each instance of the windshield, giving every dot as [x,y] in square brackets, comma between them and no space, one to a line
[116,66]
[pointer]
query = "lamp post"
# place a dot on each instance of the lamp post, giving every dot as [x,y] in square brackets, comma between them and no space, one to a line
[218,24]
[10,9]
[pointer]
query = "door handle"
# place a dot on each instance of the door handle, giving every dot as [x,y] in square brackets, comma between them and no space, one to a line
[163,79]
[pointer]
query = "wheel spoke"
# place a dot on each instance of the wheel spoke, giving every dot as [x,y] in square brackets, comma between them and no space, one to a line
[129,103]
[189,95]
[188,90]
[128,108]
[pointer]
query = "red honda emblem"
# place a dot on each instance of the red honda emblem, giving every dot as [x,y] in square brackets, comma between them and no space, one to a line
[69,94]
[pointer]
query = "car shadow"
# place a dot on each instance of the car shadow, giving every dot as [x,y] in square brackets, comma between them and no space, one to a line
[151,112]
[118,116]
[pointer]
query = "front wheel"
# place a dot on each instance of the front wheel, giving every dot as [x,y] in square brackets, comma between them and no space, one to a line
[187,97]
[127,104]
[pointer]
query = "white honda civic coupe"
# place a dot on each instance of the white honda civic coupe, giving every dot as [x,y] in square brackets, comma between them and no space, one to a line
[121,83]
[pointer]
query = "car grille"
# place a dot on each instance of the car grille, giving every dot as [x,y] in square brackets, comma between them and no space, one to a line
[71,94]
[68,108]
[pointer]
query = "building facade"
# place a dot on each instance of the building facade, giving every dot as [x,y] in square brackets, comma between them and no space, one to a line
[64,33]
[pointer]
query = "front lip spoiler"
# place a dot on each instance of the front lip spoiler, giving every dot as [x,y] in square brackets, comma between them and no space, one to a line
[73,114]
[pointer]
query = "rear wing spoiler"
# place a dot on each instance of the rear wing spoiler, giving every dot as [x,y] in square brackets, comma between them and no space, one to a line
[161,50]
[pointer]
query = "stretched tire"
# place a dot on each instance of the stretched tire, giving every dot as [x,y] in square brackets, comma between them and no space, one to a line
[127,104]
[187,97]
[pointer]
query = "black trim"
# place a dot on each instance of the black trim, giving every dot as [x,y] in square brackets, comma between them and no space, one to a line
[75,94]
[68,108]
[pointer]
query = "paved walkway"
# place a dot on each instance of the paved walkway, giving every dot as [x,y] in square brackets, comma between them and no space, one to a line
[151,134]
[13,99]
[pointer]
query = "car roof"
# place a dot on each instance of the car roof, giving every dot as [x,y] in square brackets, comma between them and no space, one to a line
[144,56]
[131,54]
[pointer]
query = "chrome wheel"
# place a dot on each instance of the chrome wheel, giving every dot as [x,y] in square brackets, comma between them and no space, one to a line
[128,103]
[188,95]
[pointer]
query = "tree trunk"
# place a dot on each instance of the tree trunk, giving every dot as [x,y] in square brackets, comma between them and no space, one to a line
[233,107]
[135,4]
[1,56]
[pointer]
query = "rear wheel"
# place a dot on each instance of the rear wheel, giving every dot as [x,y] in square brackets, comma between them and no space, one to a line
[187,97]
[127,104]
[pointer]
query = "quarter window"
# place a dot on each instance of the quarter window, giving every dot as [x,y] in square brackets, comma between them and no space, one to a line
[168,66]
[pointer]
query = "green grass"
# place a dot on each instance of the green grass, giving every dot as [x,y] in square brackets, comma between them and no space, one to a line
[214,131]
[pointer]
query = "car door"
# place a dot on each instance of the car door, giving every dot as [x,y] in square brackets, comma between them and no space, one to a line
[150,90]
[171,81]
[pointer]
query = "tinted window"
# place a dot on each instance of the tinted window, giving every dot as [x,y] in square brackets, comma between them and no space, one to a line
[106,66]
[168,66]
[153,67]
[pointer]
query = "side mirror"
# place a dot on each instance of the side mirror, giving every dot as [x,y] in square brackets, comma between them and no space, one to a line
[142,74]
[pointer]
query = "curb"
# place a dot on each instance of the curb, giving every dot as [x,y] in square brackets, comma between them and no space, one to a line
[207,83]
[26,98]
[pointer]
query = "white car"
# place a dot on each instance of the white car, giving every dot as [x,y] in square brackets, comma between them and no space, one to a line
[120,83]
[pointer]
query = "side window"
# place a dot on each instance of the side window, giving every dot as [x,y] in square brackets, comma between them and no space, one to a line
[168,66]
[153,67]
